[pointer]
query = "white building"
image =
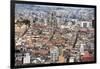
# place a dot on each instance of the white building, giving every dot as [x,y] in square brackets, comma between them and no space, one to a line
[54,53]
[86,24]
[71,59]
[82,49]
[26,58]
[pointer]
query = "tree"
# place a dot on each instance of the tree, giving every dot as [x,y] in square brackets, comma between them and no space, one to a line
[75,40]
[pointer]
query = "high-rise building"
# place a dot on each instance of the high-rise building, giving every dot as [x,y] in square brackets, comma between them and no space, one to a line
[54,53]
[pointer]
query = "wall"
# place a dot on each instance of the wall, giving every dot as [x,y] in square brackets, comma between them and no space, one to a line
[5,34]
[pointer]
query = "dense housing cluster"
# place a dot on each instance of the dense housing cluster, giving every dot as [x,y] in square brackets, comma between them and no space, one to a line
[51,34]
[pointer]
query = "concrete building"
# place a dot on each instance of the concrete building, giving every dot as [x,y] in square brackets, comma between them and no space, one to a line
[26,58]
[86,24]
[82,49]
[54,53]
